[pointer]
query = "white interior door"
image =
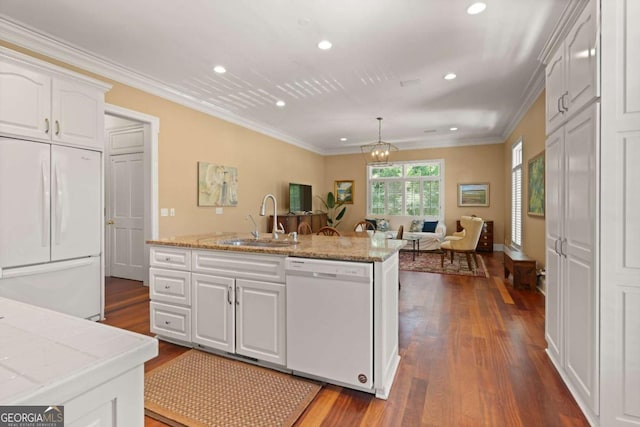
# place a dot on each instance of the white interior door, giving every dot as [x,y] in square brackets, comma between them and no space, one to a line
[126,213]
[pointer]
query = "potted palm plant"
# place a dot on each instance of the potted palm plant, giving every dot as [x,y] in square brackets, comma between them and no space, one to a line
[335,209]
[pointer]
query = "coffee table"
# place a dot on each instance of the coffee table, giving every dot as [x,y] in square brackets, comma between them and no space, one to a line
[415,244]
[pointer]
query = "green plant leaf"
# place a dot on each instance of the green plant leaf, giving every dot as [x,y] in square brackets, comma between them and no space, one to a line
[331,201]
[341,214]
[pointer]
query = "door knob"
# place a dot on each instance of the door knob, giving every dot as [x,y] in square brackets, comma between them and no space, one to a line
[111,222]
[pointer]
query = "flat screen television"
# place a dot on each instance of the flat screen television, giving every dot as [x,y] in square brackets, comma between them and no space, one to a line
[299,198]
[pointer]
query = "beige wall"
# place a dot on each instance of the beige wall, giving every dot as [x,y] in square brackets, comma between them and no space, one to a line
[265,165]
[477,163]
[532,130]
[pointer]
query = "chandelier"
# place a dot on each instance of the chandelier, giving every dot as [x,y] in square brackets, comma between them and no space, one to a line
[378,152]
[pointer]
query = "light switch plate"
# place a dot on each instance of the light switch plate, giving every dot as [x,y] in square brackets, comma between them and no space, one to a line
[218,211]
[172,212]
[164,212]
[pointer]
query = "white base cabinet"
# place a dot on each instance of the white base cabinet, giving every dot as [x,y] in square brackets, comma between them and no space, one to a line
[234,303]
[214,323]
[260,320]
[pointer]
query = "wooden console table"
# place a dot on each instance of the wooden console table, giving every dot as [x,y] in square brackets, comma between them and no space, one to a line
[291,222]
[521,266]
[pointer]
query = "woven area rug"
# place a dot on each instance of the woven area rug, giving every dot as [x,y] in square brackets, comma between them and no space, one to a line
[429,262]
[202,389]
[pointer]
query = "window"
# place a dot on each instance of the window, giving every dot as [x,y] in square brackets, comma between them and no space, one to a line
[412,188]
[516,194]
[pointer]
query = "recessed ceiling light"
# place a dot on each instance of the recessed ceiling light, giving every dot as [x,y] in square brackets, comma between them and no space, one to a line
[453,129]
[219,69]
[343,139]
[324,45]
[450,76]
[476,8]
[281,103]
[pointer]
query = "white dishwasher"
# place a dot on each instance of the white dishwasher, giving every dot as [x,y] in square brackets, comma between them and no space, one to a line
[330,320]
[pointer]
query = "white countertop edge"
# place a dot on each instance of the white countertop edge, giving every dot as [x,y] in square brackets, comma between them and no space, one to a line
[59,390]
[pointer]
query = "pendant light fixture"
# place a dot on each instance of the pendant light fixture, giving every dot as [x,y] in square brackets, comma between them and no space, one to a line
[378,152]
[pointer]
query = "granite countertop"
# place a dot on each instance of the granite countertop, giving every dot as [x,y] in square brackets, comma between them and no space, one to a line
[354,247]
[47,357]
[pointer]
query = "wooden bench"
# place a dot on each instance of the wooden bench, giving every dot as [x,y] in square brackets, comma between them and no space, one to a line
[521,266]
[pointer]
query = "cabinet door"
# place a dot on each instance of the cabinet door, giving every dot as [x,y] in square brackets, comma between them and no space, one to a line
[581,314]
[77,114]
[555,87]
[25,102]
[213,312]
[554,169]
[24,202]
[260,318]
[581,59]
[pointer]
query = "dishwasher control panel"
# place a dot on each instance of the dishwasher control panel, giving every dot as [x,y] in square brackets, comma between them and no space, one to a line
[354,270]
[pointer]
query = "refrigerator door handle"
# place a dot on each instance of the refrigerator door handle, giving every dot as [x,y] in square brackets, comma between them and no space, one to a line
[59,207]
[46,205]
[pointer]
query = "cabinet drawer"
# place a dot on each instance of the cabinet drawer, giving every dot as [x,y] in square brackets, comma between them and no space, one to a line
[167,257]
[240,265]
[171,321]
[170,286]
[484,246]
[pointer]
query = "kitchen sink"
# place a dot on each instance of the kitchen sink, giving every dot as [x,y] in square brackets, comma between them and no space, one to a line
[264,243]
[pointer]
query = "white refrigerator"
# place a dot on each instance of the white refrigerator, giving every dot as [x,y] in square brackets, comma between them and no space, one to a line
[51,226]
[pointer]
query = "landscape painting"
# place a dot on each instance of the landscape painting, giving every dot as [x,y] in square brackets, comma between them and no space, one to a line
[344,192]
[217,185]
[536,185]
[473,194]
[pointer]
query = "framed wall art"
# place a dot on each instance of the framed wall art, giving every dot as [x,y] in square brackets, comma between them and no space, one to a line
[344,192]
[217,185]
[473,194]
[536,186]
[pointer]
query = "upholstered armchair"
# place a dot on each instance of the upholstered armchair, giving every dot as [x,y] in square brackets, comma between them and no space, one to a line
[464,241]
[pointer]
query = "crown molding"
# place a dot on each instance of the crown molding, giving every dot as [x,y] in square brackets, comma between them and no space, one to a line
[568,17]
[424,144]
[45,44]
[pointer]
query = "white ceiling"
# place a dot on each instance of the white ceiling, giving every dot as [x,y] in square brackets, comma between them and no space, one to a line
[388,59]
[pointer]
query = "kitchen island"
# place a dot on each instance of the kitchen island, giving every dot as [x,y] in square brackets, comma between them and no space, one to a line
[219,293]
[95,371]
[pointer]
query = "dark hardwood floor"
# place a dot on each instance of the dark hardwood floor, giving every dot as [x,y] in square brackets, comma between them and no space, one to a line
[472,355]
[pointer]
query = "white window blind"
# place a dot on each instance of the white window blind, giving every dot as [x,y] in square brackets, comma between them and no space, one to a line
[516,194]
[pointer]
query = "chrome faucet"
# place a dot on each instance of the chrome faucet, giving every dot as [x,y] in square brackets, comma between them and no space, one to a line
[255,233]
[263,212]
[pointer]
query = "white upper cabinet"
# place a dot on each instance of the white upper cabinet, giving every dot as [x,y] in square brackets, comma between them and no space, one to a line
[555,84]
[77,113]
[25,102]
[571,73]
[41,102]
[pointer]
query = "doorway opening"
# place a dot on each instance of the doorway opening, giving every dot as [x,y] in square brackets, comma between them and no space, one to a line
[131,191]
